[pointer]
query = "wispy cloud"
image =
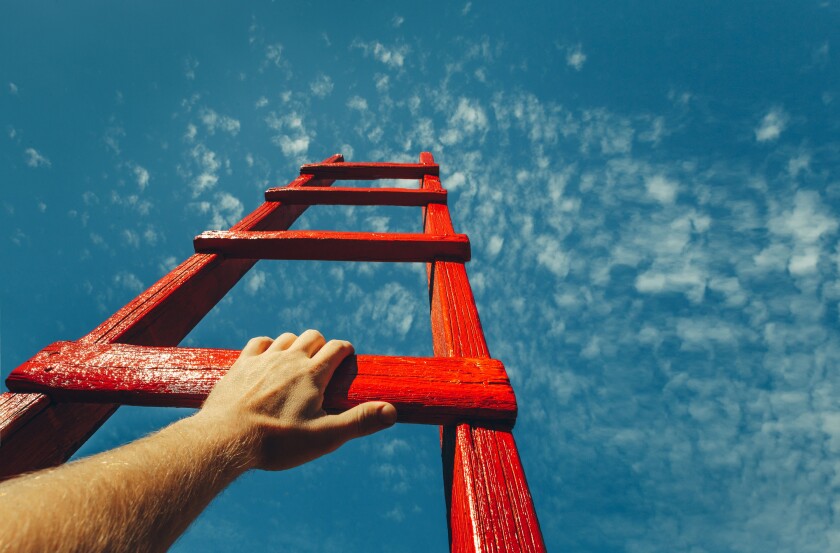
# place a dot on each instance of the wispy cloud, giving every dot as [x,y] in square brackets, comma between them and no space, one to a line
[213,121]
[357,103]
[190,67]
[322,86]
[142,176]
[36,159]
[392,56]
[274,54]
[575,58]
[771,125]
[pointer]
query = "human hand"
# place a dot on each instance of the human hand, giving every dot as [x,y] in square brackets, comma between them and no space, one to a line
[271,402]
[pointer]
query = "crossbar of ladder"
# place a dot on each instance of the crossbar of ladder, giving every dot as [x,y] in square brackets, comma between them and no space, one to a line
[355,196]
[425,390]
[334,246]
[369,171]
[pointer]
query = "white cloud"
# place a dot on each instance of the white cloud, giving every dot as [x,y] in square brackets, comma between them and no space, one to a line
[112,138]
[274,54]
[292,136]
[322,86]
[357,103]
[256,282]
[799,163]
[393,56]
[396,514]
[13,88]
[213,121]
[142,176]
[190,133]
[551,256]
[227,211]
[190,66]
[575,58]
[494,246]
[35,159]
[392,447]
[685,279]
[208,164]
[661,189]
[771,125]
[397,21]
[469,118]
[129,281]
[293,147]
[261,102]
[806,222]
[131,238]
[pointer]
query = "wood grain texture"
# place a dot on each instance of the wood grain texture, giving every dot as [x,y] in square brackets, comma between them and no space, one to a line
[369,171]
[489,505]
[355,196]
[334,246]
[17,409]
[426,390]
[161,316]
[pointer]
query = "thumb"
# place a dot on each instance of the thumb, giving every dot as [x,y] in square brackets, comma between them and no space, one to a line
[359,421]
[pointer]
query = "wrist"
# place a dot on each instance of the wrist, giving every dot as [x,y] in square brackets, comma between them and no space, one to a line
[229,446]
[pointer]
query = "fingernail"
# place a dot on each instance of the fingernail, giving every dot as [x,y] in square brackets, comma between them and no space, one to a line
[388,414]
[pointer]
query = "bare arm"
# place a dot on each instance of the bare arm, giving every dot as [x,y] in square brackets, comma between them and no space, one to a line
[265,413]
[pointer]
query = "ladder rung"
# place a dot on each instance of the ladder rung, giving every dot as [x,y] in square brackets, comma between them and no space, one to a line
[369,171]
[334,246]
[427,390]
[322,195]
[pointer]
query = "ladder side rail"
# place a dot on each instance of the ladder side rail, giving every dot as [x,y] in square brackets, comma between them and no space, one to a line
[489,504]
[161,316]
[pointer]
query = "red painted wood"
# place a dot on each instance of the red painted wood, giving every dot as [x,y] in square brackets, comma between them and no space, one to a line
[355,196]
[369,171]
[489,505]
[17,409]
[334,246]
[425,390]
[162,315]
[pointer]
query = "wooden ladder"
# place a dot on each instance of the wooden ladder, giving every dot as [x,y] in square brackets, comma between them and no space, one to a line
[66,391]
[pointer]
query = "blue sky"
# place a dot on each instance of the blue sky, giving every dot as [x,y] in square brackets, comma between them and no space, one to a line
[652,195]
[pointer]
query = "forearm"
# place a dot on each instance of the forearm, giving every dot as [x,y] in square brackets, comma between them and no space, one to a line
[139,497]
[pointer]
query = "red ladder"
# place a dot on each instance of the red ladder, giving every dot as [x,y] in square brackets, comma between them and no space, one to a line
[66,391]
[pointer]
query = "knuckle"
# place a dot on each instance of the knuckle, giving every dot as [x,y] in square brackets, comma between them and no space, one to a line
[340,345]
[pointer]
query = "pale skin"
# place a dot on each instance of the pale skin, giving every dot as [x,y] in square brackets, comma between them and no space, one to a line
[266,413]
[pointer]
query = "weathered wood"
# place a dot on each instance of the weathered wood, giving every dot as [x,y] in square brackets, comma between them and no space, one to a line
[355,196]
[427,390]
[17,409]
[334,246]
[161,316]
[369,171]
[489,505]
